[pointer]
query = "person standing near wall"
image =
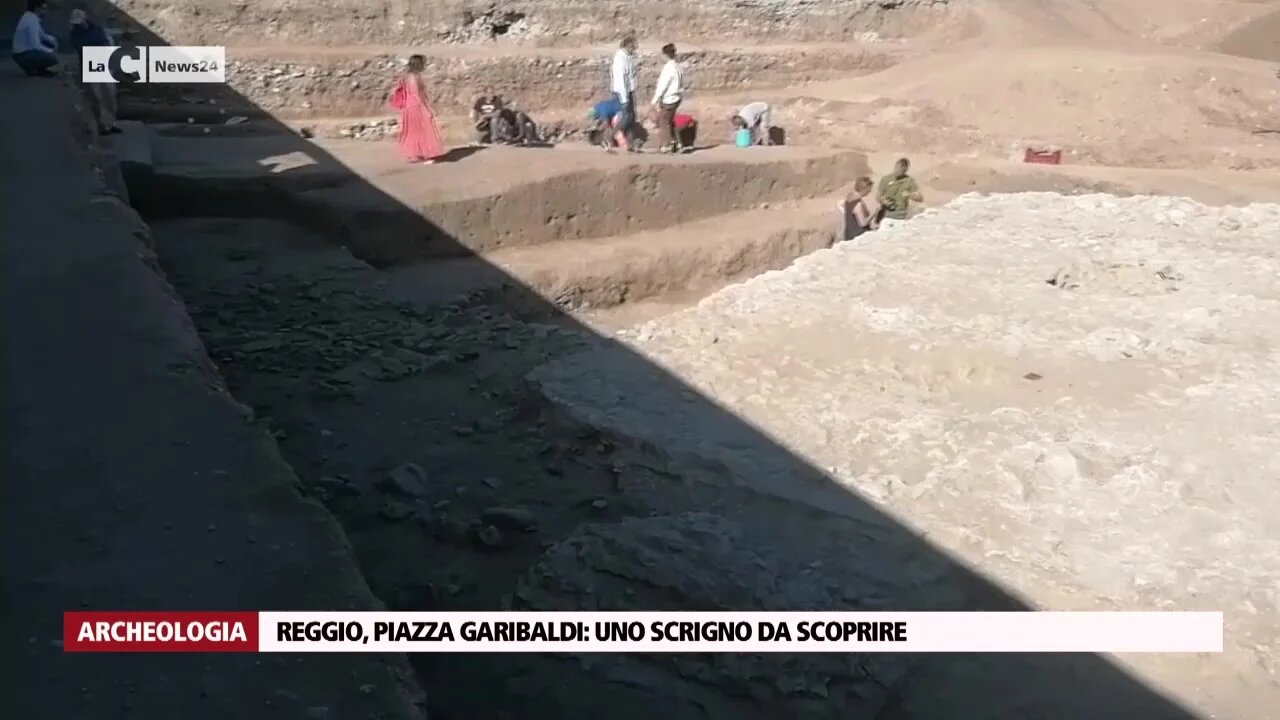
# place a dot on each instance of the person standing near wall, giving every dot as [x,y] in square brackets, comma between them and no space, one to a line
[622,83]
[666,100]
[86,33]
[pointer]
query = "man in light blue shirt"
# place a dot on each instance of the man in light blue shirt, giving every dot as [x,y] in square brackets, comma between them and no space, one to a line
[33,48]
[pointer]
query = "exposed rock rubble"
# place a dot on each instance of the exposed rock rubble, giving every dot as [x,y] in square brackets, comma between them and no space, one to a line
[662,563]
[358,85]
[540,21]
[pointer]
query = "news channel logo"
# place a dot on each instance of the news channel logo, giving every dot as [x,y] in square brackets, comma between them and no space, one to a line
[129,64]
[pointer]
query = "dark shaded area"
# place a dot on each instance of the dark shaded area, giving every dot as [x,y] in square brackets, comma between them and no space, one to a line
[845,534]
[459,154]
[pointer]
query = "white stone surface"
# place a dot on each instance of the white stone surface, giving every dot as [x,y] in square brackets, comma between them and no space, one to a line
[1140,471]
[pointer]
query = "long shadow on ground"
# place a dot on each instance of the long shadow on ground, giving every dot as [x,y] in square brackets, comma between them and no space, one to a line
[485,496]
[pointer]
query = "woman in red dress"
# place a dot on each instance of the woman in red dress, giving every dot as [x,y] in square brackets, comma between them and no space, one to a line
[419,136]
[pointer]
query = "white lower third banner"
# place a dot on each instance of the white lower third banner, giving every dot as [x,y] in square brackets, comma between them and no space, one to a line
[721,632]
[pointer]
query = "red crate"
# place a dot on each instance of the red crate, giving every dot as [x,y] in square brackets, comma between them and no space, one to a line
[1043,157]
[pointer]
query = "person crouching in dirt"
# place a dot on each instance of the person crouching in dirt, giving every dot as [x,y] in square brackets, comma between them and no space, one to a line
[604,129]
[897,191]
[487,118]
[686,131]
[856,215]
[755,117]
[518,127]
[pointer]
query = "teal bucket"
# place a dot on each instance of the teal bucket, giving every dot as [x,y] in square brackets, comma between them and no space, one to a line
[743,138]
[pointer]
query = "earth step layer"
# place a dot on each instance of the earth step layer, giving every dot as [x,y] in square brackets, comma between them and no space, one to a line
[605,272]
[388,212]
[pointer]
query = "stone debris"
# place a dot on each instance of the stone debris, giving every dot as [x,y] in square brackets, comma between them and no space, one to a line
[337,486]
[490,537]
[408,479]
[395,511]
[532,22]
[533,82]
[333,340]
[665,563]
[372,130]
[512,518]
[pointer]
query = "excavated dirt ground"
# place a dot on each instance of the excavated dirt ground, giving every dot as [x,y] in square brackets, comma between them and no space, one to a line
[1045,423]
[339,292]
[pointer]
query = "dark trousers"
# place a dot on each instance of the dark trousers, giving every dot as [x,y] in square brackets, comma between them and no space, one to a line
[526,131]
[35,62]
[627,117]
[667,126]
[489,128]
[689,136]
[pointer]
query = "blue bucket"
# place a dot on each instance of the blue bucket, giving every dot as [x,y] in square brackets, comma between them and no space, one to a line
[743,138]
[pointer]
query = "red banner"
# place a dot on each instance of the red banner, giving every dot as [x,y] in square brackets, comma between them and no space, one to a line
[163,632]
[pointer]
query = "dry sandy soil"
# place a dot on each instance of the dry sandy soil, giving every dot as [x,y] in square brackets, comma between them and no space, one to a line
[439,384]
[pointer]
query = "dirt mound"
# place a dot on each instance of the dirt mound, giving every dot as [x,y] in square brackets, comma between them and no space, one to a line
[1105,107]
[960,178]
[1259,39]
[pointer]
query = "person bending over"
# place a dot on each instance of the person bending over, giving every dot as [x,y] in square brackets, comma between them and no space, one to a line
[517,127]
[755,117]
[686,131]
[604,129]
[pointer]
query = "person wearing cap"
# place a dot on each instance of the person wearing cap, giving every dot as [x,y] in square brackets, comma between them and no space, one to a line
[86,33]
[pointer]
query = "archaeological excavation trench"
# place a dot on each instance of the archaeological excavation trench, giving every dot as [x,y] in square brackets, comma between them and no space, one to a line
[918,423]
[580,227]
[386,324]
[367,331]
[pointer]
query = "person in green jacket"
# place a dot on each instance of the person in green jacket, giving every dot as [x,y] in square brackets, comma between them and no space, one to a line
[897,191]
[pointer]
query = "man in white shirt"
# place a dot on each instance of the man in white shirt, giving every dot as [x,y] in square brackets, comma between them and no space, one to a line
[33,48]
[666,99]
[622,83]
[757,118]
